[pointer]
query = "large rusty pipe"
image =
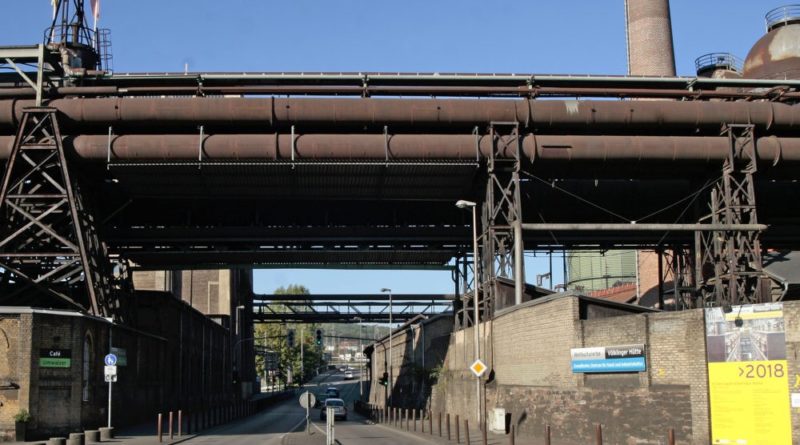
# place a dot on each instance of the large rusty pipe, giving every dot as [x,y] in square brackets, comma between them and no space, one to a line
[377,147]
[372,91]
[543,116]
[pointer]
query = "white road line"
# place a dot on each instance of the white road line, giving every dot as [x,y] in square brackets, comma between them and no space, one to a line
[294,427]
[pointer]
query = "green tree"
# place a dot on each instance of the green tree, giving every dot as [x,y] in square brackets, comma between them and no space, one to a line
[274,336]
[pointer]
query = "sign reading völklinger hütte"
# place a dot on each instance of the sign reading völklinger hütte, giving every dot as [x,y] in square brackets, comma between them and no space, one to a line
[623,358]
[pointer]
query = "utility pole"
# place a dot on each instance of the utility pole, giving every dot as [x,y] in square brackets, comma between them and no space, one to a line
[302,354]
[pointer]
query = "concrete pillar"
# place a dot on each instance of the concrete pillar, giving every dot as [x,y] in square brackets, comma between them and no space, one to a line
[76,439]
[92,436]
[106,433]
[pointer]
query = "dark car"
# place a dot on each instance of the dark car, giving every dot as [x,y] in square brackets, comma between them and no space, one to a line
[332,392]
[339,410]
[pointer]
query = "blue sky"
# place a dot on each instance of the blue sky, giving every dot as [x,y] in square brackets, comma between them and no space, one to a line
[500,36]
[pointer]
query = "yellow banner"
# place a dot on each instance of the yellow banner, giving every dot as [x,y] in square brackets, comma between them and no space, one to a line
[750,403]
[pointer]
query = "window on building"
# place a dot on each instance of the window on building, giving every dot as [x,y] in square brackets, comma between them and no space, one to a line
[87,366]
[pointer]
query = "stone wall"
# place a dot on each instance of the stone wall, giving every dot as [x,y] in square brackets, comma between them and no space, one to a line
[418,351]
[528,349]
[183,361]
[534,382]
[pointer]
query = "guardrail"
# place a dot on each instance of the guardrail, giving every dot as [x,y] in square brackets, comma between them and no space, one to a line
[782,15]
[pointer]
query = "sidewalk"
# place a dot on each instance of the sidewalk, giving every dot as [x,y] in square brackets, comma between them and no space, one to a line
[475,435]
[301,438]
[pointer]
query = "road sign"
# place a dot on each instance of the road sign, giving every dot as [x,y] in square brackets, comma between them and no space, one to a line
[478,368]
[110,372]
[110,360]
[307,400]
[122,356]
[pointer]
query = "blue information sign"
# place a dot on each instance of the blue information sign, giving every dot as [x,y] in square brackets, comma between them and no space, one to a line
[602,359]
[110,360]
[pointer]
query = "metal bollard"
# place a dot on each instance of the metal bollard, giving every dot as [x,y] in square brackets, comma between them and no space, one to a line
[448,426]
[598,433]
[547,435]
[483,430]
[422,419]
[170,426]
[430,422]
[466,431]
[414,418]
[511,436]
[180,423]
[671,437]
[458,429]
[407,417]
[158,427]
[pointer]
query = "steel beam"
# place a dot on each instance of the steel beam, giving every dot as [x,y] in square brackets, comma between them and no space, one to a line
[734,256]
[353,297]
[645,227]
[48,240]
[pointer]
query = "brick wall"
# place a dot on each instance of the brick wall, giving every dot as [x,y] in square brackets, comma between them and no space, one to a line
[533,380]
[416,351]
[182,362]
[13,383]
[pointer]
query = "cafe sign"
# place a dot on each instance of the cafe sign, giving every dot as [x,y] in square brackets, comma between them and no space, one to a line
[55,358]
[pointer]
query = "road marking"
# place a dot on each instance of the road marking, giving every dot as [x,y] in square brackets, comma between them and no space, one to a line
[294,427]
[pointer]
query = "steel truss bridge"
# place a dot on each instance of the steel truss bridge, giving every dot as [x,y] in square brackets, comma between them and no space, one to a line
[108,172]
[337,308]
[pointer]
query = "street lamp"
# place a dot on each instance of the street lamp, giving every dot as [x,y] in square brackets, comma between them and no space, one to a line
[463,204]
[238,350]
[361,357]
[390,383]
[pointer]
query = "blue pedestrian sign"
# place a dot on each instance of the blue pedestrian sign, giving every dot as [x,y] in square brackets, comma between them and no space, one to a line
[110,360]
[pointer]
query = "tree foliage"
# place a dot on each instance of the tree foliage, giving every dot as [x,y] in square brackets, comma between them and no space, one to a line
[274,335]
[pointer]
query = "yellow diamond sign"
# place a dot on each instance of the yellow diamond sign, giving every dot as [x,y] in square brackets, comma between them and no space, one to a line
[478,368]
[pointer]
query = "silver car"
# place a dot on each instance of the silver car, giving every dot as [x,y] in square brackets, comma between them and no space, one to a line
[339,410]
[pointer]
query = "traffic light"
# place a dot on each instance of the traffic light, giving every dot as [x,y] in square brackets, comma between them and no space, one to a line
[318,338]
[290,338]
[384,380]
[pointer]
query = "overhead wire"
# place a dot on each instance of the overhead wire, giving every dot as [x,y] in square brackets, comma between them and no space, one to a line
[579,198]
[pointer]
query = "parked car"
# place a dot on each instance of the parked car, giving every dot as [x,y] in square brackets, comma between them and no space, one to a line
[348,375]
[339,410]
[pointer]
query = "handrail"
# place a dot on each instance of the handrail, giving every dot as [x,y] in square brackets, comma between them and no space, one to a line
[782,15]
[718,60]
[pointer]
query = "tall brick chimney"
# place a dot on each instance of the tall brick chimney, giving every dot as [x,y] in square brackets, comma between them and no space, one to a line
[649,37]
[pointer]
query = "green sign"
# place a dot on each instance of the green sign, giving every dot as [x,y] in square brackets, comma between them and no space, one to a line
[122,356]
[55,358]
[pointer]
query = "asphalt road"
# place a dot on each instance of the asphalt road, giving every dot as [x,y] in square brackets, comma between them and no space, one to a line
[270,426]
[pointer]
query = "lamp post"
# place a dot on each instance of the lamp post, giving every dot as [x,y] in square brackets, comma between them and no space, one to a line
[462,204]
[238,350]
[390,383]
[360,358]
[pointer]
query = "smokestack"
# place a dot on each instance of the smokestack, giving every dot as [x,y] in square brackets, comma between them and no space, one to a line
[649,37]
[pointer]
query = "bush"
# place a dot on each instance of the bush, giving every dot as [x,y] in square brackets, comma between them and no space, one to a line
[22,416]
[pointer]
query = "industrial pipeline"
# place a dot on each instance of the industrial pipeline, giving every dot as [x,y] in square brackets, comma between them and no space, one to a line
[542,116]
[380,147]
